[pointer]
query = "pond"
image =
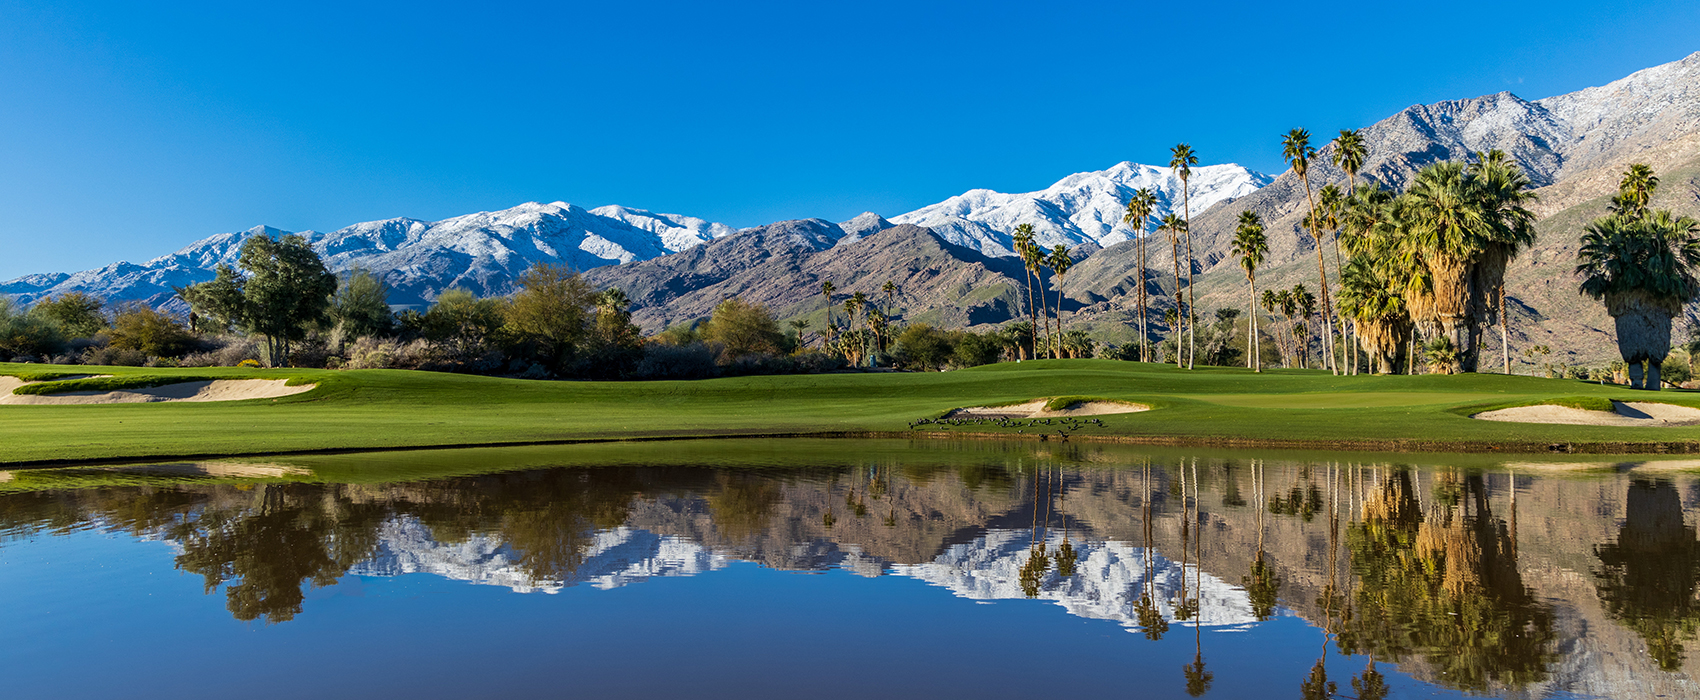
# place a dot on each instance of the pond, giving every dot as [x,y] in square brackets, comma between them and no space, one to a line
[827,569]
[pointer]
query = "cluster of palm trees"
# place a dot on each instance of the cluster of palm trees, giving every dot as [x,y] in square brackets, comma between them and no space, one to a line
[1429,260]
[1140,209]
[1035,261]
[867,328]
[1641,263]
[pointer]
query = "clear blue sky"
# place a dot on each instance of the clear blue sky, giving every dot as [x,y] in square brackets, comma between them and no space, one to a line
[130,129]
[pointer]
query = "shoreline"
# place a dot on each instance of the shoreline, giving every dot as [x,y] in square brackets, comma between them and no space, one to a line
[1237,443]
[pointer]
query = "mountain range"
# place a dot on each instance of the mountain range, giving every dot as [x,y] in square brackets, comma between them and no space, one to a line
[952,260]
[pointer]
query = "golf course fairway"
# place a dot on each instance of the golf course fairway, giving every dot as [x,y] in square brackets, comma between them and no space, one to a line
[387,409]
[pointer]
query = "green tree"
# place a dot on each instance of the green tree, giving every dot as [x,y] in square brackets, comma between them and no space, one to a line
[78,315]
[924,347]
[1506,193]
[1448,228]
[551,313]
[1181,161]
[1139,209]
[286,291]
[28,334]
[827,289]
[361,306]
[1029,252]
[1251,245]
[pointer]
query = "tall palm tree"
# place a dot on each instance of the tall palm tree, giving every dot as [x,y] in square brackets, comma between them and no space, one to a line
[1176,226]
[1024,247]
[1271,304]
[1251,245]
[1635,191]
[1330,202]
[1139,209]
[1182,159]
[1374,282]
[1505,192]
[802,327]
[890,289]
[1304,306]
[1296,149]
[1643,267]
[826,290]
[1060,262]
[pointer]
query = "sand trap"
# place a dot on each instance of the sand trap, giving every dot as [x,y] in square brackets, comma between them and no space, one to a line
[1626,413]
[184,392]
[1036,409]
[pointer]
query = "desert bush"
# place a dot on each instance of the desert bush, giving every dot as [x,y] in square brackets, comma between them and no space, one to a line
[150,331]
[740,329]
[1675,370]
[77,314]
[227,351]
[113,356]
[27,336]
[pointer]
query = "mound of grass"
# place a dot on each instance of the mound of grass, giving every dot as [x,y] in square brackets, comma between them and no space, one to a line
[44,375]
[1063,402]
[1586,403]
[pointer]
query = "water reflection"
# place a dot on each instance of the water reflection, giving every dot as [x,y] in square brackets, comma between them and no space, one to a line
[1418,568]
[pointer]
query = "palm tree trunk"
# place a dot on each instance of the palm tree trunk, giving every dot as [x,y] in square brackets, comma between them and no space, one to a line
[1504,331]
[1251,336]
[1059,313]
[1032,314]
[1143,335]
[1180,315]
[1191,295]
[1322,271]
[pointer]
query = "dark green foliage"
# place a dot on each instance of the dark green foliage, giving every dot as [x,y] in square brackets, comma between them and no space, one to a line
[550,313]
[286,292]
[361,305]
[27,334]
[78,315]
[921,346]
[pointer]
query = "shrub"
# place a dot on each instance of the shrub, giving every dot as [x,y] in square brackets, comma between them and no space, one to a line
[224,352]
[666,361]
[24,335]
[139,327]
[921,346]
[742,329]
[361,305]
[1675,370]
[77,314]
[113,356]
[248,363]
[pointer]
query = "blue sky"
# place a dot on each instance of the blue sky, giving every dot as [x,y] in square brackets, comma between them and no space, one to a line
[130,129]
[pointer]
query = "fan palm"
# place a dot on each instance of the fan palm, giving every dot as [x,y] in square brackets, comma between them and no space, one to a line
[1296,149]
[826,290]
[890,289]
[1505,193]
[1448,228]
[1251,245]
[1139,209]
[1272,305]
[1060,262]
[1635,191]
[1024,248]
[1330,203]
[1176,226]
[1644,270]
[1181,160]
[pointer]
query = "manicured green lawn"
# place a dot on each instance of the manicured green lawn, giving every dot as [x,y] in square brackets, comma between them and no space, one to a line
[385,408]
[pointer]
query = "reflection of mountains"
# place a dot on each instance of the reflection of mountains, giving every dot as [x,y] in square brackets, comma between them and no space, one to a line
[1109,578]
[1580,586]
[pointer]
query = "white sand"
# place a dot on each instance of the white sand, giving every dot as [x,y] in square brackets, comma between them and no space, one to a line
[1036,409]
[184,392]
[1630,413]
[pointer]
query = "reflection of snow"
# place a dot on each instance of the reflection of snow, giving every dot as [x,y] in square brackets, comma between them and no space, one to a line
[1109,579]
[613,559]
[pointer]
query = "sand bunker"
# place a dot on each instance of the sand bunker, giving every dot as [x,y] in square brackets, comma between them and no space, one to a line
[1036,409]
[1625,413]
[184,392]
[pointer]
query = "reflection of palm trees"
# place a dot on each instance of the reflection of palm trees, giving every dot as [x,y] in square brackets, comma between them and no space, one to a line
[1262,586]
[1150,618]
[1445,587]
[1197,678]
[1037,560]
[1647,577]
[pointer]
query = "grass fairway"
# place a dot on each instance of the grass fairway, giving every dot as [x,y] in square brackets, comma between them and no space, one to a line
[375,409]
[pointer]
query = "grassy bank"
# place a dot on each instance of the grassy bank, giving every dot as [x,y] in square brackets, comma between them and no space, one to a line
[377,409]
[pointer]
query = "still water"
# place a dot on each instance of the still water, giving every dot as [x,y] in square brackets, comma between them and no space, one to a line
[827,569]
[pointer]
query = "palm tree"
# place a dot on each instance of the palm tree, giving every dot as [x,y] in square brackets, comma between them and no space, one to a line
[1024,247]
[1251,245]
[1181,161]
[802,327]
[1635,191]
[1304,306]
[1139,209]
[1271,304]
[1349,156]
[1448,228]
[1296,149]
[1373,283]
[1330,202]
[1642,265]
[1060,262]
[1176,226]
[1511,228]
[826,290]
[890,289]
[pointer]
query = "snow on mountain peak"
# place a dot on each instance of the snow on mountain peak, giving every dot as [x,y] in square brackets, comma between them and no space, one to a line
[1081,208]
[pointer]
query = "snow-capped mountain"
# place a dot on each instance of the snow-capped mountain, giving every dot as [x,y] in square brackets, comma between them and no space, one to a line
[482,252]
[1080,208]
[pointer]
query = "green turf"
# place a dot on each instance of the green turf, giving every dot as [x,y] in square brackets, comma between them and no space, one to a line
[387,408]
